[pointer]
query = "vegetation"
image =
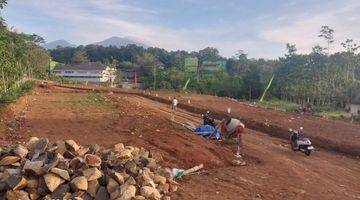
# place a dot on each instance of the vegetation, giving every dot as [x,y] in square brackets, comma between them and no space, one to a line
[281,105]
[21,58]
[318,78]
[14,92]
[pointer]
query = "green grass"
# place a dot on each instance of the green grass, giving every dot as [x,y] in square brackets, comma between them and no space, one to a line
[334,114]
[93,98]
[13,93]
[281,105]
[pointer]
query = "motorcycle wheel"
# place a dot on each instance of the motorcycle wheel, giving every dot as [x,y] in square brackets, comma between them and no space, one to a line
[307,152]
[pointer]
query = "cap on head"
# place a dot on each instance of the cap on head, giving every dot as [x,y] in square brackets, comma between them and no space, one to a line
[301,128]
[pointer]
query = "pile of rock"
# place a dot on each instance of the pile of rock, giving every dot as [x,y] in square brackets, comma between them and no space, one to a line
[41,169]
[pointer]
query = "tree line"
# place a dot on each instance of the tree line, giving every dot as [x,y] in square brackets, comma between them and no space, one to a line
[319,78]
[20,57]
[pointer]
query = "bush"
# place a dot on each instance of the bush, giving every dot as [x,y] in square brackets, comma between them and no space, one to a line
[282,105]
[14,92]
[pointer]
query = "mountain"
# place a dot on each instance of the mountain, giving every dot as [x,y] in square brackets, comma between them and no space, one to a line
[118,41]
[56,43]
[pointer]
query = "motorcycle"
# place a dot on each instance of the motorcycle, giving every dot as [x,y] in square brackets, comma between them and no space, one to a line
[300,144]
[208,120]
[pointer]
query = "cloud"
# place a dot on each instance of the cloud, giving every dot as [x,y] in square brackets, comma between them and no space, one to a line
[263,34]
[304,28]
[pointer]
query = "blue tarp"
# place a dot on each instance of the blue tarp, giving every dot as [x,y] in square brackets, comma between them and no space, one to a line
[206,130]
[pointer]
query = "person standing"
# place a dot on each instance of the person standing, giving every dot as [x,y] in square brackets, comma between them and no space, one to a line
[174,104]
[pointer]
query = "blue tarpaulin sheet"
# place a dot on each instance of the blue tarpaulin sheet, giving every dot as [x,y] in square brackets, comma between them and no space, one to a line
[206,130]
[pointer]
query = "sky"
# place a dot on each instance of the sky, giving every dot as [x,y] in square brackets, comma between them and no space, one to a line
[261,28]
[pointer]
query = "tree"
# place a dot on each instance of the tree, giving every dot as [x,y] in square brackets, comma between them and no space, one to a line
[291,49]
[79,56]
[3,3]
[208,54]
[317,49]
[328,34]
[350,46]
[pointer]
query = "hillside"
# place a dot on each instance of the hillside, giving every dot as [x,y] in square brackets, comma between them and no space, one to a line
[56,43]
[119,41]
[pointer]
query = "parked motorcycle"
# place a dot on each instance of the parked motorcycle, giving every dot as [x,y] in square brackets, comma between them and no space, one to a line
[208,120]
[300,144]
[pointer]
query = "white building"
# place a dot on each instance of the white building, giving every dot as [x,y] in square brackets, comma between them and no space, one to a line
[94,72]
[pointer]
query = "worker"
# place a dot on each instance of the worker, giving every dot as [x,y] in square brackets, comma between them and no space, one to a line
[174,104]
[232,128]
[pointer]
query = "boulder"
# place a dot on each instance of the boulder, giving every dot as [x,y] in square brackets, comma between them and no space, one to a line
[21,151]
[150,192]
[17,194]
[33,167]
[118,177]
[159,179]
[112,185]
[163,188]
[79,183]
[52,181]
[62,173]
[102,194]
[131,167]
[60,191]
[8,160]
[118,147]
[93,187]
[71,145]
[32,183]
[83,150]
[92,173]
[127,192]
[92,160]
[61,147]
[16,182]
[125,154]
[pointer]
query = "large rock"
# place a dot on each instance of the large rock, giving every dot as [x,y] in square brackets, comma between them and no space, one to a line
[21,151]
[33,167]
[31,143]
[52,181]
[92,173]
[150,192]
[112,185]
[16,182]
[131,167]
[118,147]
[83,150]
[164,188]
[127,192]
[102,194]
[92,160]
[79,183]
[32,183]
[93,187]
[8,160]
[60,191]
[118,177]
[17,195]
[41,145]
[62,173]
[61,147]
[71,145]
[159,179]
[125,154]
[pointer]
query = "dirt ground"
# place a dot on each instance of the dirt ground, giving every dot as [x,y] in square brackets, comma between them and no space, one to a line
[273,171]
[333,135]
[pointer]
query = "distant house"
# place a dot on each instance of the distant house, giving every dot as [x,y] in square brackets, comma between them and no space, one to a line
[94,72]
[208,68]
[130,77]
[354,106]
